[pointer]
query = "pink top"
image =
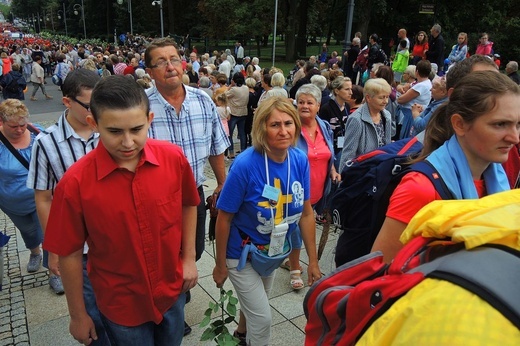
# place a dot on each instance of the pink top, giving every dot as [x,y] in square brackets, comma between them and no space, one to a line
[319,156]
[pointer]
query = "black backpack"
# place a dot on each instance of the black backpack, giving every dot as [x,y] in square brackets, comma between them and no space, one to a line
[360,202]
[382,57]
[13,86]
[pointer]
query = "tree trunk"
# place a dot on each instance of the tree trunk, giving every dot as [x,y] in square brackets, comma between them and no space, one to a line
[290,32]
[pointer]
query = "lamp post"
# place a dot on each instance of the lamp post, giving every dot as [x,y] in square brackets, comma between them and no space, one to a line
[81,7]
[64,20]
[159,2]
[348,25]
[120,2]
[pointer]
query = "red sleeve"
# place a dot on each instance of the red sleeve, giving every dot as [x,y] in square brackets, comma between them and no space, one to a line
[413,192]
[66,231]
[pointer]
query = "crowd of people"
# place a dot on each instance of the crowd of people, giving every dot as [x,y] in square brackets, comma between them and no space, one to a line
[122,105]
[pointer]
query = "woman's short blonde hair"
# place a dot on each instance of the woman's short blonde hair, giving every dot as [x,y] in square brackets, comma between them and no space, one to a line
[13,109]
[375,86]
[263,112]
[250,82]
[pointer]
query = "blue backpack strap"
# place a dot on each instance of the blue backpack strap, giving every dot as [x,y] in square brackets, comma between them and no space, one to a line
[429,171]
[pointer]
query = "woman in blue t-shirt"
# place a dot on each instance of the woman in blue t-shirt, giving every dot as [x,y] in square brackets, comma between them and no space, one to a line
[265,195]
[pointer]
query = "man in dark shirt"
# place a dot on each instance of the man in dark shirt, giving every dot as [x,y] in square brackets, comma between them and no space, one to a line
[350,57]
[373,51]
[435,53]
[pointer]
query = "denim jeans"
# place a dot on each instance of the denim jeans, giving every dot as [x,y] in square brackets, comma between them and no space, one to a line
[167,333]
[29,227]
[92,309]
[240,122]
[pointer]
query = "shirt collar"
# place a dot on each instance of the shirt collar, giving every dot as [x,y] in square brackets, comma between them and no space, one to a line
[105,165]
[68,131]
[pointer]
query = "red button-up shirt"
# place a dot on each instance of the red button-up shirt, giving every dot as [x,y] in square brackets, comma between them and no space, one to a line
[132,223]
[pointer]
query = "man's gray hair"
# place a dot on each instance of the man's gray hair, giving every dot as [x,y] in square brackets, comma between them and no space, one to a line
[512,66]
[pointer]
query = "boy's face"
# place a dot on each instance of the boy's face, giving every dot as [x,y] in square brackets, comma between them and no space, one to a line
[123,133]
[77,106]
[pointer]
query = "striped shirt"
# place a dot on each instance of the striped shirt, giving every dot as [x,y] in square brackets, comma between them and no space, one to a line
[197,129]
[54,151]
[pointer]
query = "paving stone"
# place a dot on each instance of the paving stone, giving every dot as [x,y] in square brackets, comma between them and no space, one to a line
[18,323]
[8,341]
[19,331]
[20,315]
[6,335]
[21,338]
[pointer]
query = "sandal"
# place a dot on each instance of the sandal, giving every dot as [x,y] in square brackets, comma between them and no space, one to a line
[285,265]
[296,280]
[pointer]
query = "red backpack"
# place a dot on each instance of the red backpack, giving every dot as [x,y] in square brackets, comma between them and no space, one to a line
[362,59]
[341,306]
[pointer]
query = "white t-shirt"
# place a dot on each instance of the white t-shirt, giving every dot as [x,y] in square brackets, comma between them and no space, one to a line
[425,95]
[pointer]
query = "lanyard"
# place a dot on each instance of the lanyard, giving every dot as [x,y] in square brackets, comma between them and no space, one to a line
[287,186]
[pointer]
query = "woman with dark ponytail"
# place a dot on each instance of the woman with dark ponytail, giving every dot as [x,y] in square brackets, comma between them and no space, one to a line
[466,141]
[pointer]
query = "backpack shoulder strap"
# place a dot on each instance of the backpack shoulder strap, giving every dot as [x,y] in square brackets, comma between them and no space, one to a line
[13,151]
[492,272]
[33,129]
[431,173]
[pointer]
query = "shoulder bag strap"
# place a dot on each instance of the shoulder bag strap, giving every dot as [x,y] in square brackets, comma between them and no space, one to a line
[13,151]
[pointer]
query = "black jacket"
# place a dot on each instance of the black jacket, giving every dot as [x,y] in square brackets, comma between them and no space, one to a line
[7,79]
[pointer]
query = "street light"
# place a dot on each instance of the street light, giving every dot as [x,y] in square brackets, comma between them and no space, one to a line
[75,8]
[159,2]
[64,19]
[120,2]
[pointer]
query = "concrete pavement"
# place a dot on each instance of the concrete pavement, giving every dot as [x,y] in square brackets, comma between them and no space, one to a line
[31,314]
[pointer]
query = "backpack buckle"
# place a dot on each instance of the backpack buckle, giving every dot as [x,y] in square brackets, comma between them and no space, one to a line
[397,169]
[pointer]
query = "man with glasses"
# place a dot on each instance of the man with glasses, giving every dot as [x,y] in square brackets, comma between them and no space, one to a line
[187,117]
[54,151]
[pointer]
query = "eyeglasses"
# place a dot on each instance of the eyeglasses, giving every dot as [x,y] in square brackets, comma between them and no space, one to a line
[87,107]
[164,63]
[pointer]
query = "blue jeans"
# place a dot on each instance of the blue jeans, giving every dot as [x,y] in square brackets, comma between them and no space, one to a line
[92,309]
[167,333]
[29,227]
[240,122]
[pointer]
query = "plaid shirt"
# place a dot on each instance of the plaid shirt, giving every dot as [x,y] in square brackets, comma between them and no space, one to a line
[197,129]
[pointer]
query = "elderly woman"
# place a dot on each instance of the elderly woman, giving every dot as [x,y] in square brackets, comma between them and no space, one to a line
[316,140]
[16,200]
[265,197]
[238,98]
[336,110]
[421,116]
[370,127]
[277,83]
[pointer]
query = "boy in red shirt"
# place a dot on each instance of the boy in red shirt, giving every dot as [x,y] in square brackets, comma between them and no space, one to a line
[133,200]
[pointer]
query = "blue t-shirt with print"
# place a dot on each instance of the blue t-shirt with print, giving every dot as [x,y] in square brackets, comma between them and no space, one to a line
[242,196]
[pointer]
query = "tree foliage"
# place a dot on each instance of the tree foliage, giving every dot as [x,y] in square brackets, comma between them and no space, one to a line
[299,21]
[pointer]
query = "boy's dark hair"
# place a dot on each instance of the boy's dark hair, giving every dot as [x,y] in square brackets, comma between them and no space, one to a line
[117,92]
[423,68]
[78,80]
[403,43]
[238,78]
